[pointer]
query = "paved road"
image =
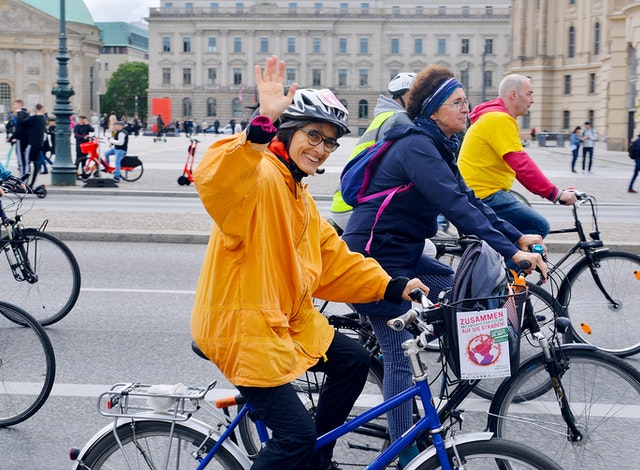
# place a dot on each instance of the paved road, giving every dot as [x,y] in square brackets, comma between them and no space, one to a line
[164,163]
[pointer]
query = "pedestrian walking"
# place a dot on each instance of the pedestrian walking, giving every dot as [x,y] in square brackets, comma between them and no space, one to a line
[574,146]
[589,139]
[636,157]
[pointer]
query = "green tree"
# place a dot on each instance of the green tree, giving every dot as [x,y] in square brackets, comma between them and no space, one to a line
[130,80]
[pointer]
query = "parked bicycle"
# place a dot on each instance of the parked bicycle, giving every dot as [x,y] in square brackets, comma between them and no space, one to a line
[131,167]
[160,431]
[27,365]
[43,276]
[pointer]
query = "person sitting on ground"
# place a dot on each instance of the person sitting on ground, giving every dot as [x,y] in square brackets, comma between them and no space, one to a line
[269,253]
[492,157]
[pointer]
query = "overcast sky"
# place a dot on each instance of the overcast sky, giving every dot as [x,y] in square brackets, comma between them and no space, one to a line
[120,10]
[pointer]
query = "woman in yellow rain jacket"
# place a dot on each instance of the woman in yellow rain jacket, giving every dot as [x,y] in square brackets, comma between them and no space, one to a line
[270,251]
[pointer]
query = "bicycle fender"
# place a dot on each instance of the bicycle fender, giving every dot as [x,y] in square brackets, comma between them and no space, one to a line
[194,424]
[459,439]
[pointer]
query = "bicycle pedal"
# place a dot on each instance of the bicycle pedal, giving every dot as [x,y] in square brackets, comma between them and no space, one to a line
[541,318]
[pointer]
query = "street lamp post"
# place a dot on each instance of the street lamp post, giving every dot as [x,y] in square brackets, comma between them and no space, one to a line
[63,173]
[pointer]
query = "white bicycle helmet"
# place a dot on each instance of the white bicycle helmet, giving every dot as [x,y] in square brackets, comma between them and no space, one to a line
[401,83]
[316,105]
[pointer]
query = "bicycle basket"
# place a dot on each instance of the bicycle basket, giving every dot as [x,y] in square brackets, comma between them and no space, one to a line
[88,147]
[130,161]
[483,342]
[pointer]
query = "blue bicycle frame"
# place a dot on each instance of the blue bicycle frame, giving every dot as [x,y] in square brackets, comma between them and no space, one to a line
[429,422]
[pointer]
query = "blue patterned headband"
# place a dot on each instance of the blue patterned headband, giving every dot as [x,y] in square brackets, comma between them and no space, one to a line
[432,102]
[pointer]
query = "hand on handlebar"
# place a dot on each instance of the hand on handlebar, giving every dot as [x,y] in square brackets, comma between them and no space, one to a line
[534,260]
[414,283]
[568,198]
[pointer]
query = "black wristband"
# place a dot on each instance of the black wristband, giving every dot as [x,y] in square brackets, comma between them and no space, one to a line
[394,290]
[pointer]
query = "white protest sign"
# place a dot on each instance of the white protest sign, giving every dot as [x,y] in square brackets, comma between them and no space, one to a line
[483,344]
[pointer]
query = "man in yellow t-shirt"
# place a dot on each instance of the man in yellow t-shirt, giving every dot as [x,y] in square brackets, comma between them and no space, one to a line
[492,157]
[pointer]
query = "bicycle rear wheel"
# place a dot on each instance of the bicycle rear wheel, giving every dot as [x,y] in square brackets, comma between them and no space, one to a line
[609,324]
[52,296]
[603,393]
[492,454]
[132,173]
[27,365]
[151,444]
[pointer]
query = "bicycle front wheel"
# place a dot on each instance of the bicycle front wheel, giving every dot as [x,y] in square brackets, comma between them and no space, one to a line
[492,454]
[603,392]
[604,302]
[54,290]
[27,365]
[154,444]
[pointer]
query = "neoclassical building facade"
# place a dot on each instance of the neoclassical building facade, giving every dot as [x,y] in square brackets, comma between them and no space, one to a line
[29,44]
[202,54]
[582,58]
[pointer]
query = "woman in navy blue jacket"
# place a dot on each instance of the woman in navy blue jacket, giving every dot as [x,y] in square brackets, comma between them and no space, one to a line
[425,156]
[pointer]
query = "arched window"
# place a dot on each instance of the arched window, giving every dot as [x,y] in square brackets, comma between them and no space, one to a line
[363,109]
[211,107]
[572,42]
[236,108]
[5,96]
[566,119]
[596,39]
[186,107]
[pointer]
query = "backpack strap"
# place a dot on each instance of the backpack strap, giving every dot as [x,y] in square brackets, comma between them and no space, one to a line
[390,193]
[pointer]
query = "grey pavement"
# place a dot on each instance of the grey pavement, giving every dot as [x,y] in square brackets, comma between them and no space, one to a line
[164,163]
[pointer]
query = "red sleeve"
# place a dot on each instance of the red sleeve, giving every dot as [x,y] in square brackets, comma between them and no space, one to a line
[530,176]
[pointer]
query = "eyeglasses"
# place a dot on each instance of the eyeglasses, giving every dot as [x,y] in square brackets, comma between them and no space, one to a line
[315,138]
[459,104]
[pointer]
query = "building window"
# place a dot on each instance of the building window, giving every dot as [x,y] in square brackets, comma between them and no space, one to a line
[395,45]
[214,7]
[572,42]
[395,10]
[420,10]
[264,45]
[342,45]
[365,8]
[344,8]
[393,73]
[237,76]
[364,45]
[166,76]
[211,107]
[186,76]
[417,46]
[592,83]
[364,77]
[592,118]
[237,45]
[166,44]
[464,78]
[317,45]
[488,46]
[290,76]
[596,39]
[442,46]
[465,10]
[293,7]
[213,45]
[5,95]
[567,84]
[317,6]
[239,7]
[106,66]
[488,79]
[342,77]
[291,45]
[442,10]
[212,76]
[186,44]
[566,119]
[464,46]
[186,107]
[236,107]
[316,77]
[488,10]
[363,109]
